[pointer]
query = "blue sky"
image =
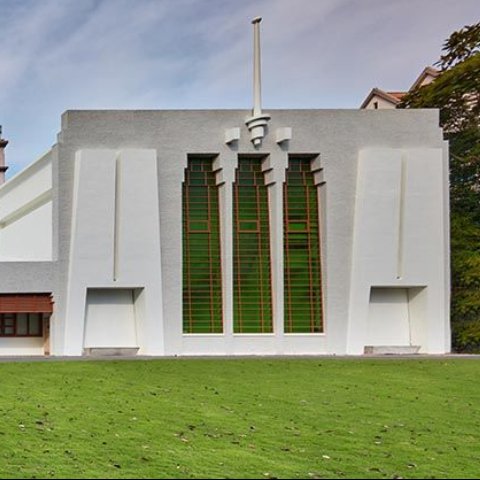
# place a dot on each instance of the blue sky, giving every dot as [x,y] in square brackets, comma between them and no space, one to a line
[57,55]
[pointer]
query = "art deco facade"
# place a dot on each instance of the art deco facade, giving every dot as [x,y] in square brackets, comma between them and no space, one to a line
[171,233]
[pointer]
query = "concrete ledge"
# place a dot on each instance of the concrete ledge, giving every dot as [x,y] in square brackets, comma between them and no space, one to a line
[391,349]
[110,352]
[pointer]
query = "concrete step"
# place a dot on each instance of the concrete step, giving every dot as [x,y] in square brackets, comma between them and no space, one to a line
[110,352]
[391,349]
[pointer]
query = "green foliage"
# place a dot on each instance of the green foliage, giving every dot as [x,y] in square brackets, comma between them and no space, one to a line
[465,241]
[467,337]
[460,46]
[465,173]
[456,92]
[255,418]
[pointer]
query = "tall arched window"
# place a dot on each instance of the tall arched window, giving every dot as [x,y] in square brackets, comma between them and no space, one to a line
[251,249]
[303,279]
[202,279]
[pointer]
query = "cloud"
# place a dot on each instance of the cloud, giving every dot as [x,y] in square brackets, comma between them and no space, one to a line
[57,55]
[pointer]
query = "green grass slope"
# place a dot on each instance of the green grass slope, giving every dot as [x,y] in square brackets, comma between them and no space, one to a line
[242,418]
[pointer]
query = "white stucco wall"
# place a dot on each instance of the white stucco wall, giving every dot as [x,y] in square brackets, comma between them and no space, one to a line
[26,223]
[26,186]
[399,237]
[21,346]
[28,238]
[115,245]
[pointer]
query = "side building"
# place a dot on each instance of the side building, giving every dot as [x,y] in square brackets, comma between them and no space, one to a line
[170,233]
[381,99]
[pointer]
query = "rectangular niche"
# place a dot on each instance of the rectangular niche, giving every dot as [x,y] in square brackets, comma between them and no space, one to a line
[110,319]
[389,317]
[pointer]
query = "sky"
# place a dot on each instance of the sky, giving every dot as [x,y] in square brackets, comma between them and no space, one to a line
[57,55]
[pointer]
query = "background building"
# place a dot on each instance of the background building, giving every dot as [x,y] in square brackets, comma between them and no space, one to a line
[378,98]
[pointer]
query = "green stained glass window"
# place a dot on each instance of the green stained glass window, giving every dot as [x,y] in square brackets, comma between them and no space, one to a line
[202,278]
[303,279]
[252,302]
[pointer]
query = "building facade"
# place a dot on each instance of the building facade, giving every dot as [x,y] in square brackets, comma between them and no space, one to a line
[381,99]
[171,233]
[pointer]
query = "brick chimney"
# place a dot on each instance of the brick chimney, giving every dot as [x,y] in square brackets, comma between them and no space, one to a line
[3,167]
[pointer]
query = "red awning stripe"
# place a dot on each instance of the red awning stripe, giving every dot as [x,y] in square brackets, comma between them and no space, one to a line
[26,303]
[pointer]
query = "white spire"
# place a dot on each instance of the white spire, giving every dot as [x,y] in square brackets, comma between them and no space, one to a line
[257,73]
[259,120]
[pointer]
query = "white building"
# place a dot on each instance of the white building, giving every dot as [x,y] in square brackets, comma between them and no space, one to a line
[97,223]
[229,232]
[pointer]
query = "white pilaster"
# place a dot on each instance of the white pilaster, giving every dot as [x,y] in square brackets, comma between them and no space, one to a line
[278,162]
[228,165]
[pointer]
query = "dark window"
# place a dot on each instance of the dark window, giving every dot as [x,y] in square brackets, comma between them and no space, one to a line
[252,301]
[202,279]
[303,280]
[21,324]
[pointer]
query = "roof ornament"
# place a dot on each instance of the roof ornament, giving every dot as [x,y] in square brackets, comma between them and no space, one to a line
[3,167]
[258,121]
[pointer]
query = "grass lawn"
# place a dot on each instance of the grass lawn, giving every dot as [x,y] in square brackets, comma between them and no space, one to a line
[242,418]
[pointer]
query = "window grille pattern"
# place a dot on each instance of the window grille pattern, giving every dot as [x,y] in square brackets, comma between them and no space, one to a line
[202,279]
[21,324]
[252,302]
[302,275]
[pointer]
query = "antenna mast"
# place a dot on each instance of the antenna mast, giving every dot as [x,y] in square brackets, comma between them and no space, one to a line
[257,122]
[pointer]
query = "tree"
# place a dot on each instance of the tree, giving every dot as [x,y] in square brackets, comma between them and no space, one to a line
[460,46]
[456,92]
